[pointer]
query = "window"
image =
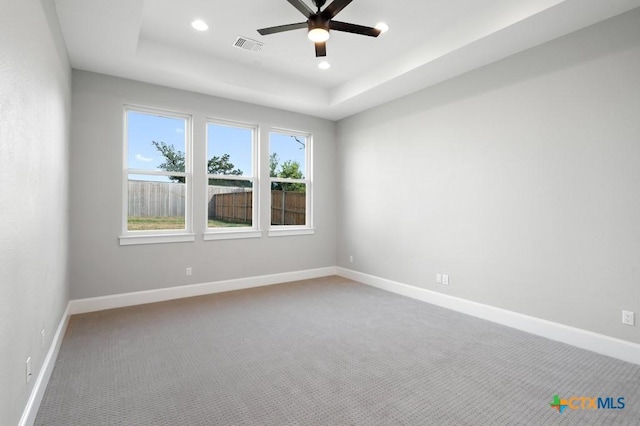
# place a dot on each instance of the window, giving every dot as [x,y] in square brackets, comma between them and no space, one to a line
[157,177]
[231,174]
[290,176]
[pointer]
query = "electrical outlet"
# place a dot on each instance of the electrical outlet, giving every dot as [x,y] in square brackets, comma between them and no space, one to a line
[42,339]
[28,370]
[439,278]
[188,272]
[445,279]
[351,259]
[628,318]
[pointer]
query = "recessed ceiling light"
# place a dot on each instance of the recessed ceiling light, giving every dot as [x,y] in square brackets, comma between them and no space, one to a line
[324,65]
[382,27]
[200,25]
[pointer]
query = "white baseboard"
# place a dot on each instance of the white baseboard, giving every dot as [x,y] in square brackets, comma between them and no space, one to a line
[40,385]
[599,343]
[93,304]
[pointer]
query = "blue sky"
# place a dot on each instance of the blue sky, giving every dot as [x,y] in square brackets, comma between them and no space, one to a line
[235,141]
[142,129]
[288,148]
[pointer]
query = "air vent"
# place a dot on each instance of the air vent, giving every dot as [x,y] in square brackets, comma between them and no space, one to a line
[248,44]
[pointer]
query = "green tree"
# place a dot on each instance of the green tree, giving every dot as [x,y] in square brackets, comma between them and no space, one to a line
[273,164]
[174,162]
[222,166]
[290,169]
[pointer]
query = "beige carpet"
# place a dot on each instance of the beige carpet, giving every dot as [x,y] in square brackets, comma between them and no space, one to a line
[320,352]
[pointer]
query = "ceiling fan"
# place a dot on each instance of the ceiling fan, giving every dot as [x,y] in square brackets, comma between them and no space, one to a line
[319,23]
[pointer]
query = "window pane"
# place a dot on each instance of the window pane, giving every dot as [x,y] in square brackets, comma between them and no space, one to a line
[287,157]
[155,142]
[229,150]
[230,203]
[155,202]
[288,203]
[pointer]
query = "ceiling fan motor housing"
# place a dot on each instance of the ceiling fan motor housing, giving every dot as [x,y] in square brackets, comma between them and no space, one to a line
[317,21]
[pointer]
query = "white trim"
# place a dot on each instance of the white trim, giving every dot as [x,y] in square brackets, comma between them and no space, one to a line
[309,188]
[287,231]
[81,306]
[254,178]
[229,122]
[290,180]
[129,240]
[232,235]
[231,177]
[40,385]
[155,173]
[308,181]
[599,343]
[187,174]
[287,131]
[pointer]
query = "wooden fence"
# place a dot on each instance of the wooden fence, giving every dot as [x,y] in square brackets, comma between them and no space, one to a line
[234,207]
[287,208]
[155,199]
[163,199]
[231,204]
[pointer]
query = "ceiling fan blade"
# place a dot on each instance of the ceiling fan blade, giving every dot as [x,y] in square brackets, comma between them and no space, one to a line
[353,28]
[282,28]
[302,7]
[321,49]
[332,10]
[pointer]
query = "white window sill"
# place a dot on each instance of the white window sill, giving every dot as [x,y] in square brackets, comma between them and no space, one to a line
[286,231]
[232,235]
[129,240]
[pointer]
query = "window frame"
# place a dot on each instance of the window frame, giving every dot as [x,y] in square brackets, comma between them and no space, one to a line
[289,230]
[233,233]
[129,237]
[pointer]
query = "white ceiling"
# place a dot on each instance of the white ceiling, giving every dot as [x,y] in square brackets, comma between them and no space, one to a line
[428,42]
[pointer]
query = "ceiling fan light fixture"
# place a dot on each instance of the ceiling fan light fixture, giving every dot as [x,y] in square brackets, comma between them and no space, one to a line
[324,65]
[383,27]
[318,35]
[199,25]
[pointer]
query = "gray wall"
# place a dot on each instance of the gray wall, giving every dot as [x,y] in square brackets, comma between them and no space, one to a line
[35,83]
[100,266]
[521,180]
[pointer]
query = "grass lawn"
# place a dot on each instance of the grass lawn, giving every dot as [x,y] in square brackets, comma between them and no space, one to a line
[174,222]
[151,223]
[222,224]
